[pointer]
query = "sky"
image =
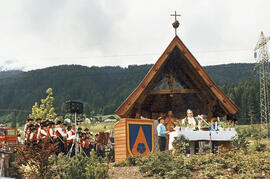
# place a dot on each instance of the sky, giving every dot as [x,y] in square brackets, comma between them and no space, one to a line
[36,34]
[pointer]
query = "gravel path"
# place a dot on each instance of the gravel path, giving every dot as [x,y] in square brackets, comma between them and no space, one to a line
[125,172]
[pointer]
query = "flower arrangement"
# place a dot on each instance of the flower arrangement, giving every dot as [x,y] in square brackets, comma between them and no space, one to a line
[227,124]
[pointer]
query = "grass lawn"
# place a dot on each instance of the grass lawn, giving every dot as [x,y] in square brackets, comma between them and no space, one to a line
[98,127]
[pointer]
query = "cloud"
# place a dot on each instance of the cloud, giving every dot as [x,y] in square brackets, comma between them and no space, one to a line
[89,32]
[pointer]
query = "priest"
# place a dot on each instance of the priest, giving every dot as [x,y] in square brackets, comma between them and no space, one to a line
[189,120]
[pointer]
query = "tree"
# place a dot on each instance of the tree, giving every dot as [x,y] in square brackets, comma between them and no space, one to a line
[45,110]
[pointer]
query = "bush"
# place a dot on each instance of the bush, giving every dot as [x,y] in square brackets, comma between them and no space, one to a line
[235,163]
[133,160]
[157,164]
[181,144]
[78,167]
[240,141]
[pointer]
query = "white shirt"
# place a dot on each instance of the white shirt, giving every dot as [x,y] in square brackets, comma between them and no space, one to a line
[61,132]
[38,132]
[69,135]
[191,120]
[19,140]
[51,132]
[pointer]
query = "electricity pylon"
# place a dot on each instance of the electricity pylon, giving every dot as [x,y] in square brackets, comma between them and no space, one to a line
[262,64]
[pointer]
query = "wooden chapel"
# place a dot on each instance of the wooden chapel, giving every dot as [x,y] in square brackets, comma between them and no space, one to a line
[176,82]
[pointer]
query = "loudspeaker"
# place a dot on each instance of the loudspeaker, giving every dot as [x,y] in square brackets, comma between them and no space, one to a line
[74,107]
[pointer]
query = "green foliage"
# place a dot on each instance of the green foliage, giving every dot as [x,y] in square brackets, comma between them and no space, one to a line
[240,141]
[133,160]
[157,164]
[259,146]
[181,144]
[45,110]
[225,163]
[103,89]
[120,164]
[78,167]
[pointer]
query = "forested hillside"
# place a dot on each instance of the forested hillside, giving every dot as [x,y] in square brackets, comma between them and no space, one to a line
[103,89]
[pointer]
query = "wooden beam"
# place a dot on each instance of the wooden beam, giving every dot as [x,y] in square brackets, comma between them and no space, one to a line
[175,91]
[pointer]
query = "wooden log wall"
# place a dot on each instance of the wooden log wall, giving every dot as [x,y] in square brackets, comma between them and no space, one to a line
[120,140]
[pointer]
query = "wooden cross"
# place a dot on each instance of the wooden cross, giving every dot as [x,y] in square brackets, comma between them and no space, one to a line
[176,23]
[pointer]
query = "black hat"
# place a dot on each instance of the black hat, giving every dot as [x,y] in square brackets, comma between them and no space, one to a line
[29,119]
[65,124]
[86,129]
[43,124]
[79,128]
[96,135]
[51,123]
[38,119]
[58,122]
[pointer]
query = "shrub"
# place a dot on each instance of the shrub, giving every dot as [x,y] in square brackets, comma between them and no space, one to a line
[78,167]
[240,141]
[235,163]
[181,144]
[157,164]
[133,160]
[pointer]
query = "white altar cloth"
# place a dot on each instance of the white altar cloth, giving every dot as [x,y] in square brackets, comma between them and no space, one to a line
[202,135]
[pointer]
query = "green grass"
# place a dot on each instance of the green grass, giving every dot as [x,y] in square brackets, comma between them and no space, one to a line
[98,127]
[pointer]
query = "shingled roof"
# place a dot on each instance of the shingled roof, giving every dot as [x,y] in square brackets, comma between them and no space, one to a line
[189,86]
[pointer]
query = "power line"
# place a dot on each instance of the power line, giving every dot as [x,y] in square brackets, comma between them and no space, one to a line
[135,54]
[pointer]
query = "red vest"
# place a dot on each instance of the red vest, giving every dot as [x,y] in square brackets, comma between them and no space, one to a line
[86,144]
[34,137]
[72,133]
[48,132]
[42,135]
[57,133]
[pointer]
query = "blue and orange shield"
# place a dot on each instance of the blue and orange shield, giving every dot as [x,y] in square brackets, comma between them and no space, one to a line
[140,138]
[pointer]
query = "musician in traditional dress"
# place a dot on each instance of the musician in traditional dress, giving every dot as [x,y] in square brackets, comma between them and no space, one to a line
[50,130]
[61,136]
[27,129]
[189,120]
[86,131]
[33,136]
[86,146]
[43,131]
[71,137]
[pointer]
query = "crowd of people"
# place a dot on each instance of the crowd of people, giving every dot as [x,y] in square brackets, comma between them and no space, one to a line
[64,136]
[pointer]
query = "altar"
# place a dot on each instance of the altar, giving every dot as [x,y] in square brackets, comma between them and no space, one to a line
[217,136]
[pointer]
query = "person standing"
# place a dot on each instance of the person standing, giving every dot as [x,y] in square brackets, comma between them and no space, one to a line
[27,128]
[162,133]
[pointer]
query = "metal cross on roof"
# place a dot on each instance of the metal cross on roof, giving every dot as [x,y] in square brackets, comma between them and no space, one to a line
[176,23]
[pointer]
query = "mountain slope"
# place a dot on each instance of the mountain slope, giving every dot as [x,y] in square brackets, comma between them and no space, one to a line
[102,89]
